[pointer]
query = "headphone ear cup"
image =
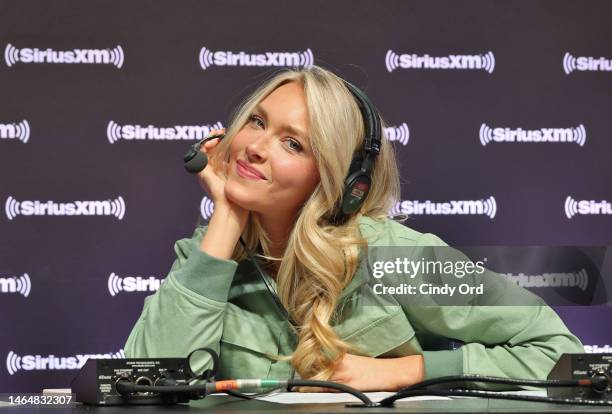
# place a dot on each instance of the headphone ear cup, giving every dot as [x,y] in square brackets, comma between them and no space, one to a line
[356,190]
[356,186]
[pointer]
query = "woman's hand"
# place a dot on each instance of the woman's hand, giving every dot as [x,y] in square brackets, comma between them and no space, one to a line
[228,219]
[211,178]
[379,374]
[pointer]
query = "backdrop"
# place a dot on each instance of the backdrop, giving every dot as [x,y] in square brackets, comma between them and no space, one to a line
[500,113]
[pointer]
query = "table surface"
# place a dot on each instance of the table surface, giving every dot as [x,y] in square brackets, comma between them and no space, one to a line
[227,404]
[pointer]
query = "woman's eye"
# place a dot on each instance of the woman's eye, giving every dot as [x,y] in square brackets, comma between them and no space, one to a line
[294,145]
[257,120]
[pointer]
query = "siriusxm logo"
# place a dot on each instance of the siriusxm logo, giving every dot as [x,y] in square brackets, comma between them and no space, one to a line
[586,207]
[395,61]
[115,132]
[14,208]
[20,131]
[117,284]
[16,363]
[399,134]
[578,280]
[485,207]
[208,58]
[573,135]
[206,208]
[598,349]
[586,63]
[13,55]
[16,284]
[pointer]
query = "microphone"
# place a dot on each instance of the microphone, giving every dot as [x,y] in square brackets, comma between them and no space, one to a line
[195,160]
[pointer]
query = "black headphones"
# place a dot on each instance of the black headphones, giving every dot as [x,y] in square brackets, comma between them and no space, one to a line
[359,178]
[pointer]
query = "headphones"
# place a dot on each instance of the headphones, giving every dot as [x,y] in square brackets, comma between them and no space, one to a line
[359,177]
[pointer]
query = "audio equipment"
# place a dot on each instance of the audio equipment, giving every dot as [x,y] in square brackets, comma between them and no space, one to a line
[359,178]
[594,367]
[576,379]
[195,160]
[96,382]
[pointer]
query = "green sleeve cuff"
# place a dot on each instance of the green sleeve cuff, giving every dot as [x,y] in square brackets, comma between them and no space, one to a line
[206,275]
[443,363]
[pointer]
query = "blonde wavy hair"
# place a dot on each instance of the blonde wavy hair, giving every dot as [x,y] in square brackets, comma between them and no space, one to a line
[320,259]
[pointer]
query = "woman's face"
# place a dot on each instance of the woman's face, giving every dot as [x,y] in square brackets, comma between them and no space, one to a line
[272,168]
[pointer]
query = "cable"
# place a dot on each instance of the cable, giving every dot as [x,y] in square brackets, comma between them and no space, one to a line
[277,303]
[127,388]
[251,396]
[420,388]
[208,374]
[492,395]
[498,380]
[335,385]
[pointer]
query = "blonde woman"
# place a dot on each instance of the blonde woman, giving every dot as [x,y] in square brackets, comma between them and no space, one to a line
[276,180]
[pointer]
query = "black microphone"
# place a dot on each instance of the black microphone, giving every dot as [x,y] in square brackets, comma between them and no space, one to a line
[195,160]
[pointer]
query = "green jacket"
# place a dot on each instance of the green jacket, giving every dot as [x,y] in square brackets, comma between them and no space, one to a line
[209,302]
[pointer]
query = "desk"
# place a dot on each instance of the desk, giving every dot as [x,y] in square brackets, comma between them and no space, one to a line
[227,405]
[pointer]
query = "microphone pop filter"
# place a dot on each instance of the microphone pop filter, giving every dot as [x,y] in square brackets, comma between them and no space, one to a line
[195,160]
[196,163]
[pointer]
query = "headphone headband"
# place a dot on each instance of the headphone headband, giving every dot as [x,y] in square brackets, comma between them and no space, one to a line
[371,120]
[358,179]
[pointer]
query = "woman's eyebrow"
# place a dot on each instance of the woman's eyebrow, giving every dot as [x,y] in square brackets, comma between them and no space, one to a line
[292,130]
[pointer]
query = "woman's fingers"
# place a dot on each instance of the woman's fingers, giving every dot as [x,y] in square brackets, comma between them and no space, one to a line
[213,142]
[316,389]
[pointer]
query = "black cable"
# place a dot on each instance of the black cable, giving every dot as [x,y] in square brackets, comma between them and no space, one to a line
[196,391]
[250,396]
[335,385]
[277,302]
[407,391]
[127,388]
[199,391]
[208,374]
[494,395]
[493,380]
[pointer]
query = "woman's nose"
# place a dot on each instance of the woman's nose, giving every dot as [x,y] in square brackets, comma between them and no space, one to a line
[257,150]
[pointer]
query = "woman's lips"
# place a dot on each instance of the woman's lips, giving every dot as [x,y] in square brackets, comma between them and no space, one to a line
[245,171]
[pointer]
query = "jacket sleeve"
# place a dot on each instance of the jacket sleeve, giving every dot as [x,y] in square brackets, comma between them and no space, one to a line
[500,338]
[188,309]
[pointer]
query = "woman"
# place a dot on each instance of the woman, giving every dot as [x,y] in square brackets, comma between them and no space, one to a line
[276,181]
